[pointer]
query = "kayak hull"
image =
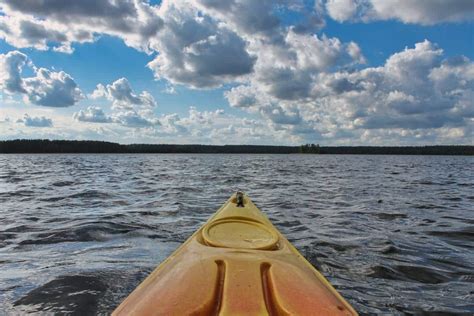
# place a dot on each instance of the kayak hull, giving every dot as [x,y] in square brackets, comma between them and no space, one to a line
[235,264]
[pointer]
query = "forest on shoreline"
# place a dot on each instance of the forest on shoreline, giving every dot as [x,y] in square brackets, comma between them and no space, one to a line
[38,146]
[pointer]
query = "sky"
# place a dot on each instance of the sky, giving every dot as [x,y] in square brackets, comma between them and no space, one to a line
[278,72]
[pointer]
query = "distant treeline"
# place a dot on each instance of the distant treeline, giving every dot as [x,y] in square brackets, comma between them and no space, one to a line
[86,146]
[72,146]
[388,150]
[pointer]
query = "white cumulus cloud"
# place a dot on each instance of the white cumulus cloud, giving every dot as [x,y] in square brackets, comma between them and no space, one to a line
[122,95]
[92,114]
[341,10]
[129,109]
[132,118]
[46,87]
[417,93]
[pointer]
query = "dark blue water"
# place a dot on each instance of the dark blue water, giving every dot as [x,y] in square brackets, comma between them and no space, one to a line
[394,234]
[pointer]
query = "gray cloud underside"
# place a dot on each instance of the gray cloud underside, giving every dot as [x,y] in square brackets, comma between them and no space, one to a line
[407,11]
[416,89]
[57,24]
[127,118]
[35,121]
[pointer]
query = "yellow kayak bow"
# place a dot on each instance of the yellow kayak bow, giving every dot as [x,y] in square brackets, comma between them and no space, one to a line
[237,263]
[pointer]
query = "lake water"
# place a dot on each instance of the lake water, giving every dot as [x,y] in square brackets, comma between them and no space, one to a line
[393,234]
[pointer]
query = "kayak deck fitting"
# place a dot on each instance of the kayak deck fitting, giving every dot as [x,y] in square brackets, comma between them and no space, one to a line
[237,263]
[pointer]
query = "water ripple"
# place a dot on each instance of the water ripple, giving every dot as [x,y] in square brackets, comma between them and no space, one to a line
[395,235]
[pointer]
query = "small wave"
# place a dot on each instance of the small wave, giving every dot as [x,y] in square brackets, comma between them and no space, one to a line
[145,213]
[450,262]
[289,223]
[97,231]
[5,236]
[462,220]
[433,310]
[425,182]
[409,273]
[467,278]
[342,204]
[389,249]
[78,294]
[338,247]
[14,179]
[18,193]
[20,229]
[32,218]
[299,228]
[63,183]
[428,206]
[454,199]
[466,234]
[5,239]
[390,216]
[94,194]
[89,194]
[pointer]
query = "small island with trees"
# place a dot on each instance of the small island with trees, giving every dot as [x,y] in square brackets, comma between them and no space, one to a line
[39,146]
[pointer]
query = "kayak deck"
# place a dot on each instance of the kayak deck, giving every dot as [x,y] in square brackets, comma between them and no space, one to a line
[237,263]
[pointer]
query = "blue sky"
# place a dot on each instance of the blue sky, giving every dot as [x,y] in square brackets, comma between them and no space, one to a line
[332,72]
